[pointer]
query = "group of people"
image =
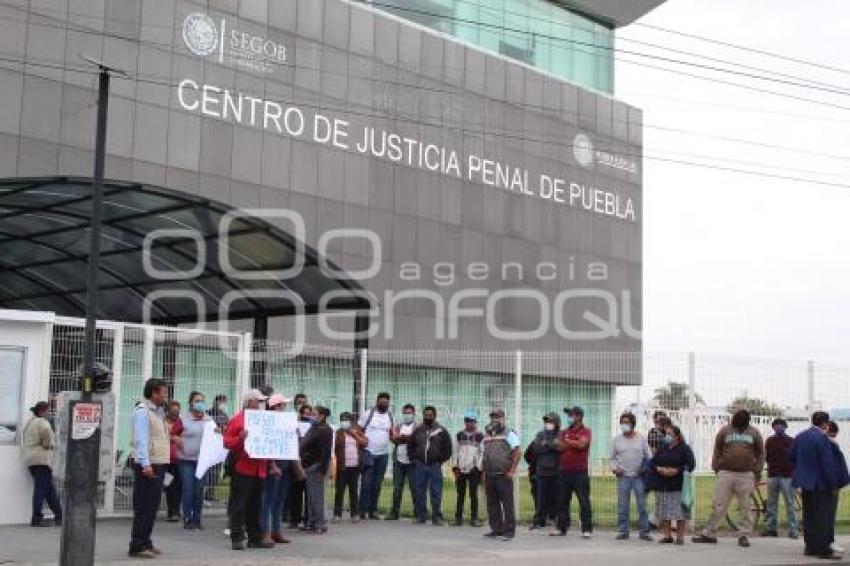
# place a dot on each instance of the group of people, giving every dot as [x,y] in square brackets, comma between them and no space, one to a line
[166,443]
[812,462]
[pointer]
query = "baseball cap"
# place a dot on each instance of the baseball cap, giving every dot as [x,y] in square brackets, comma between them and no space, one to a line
[253,395]
[278,399]
[498,413]
[576,410]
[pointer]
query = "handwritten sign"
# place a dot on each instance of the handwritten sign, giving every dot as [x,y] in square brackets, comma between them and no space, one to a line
[271,435]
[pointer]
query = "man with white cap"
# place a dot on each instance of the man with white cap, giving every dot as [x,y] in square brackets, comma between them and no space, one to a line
[246,493]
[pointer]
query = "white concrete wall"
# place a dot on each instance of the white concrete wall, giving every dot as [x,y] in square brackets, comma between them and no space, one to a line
[31,331]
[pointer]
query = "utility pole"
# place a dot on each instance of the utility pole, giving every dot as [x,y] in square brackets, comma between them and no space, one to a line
[84,426]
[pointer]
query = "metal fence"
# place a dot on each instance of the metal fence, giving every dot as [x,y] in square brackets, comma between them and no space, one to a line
[698,391]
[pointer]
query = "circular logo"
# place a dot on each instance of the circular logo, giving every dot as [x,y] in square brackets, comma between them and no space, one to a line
[199,34]
[583,150]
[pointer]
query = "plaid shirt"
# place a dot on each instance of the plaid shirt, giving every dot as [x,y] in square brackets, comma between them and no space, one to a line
[655,439]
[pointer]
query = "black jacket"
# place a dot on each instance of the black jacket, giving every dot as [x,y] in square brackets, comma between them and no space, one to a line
[546,455]
[430,445]
[316,447]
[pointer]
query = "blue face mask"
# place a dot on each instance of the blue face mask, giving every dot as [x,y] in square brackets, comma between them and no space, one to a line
[668,440]
[199,406]
[312,420]
[345,425]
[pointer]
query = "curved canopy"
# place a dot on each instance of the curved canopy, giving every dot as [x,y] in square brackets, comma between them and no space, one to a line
[44,245]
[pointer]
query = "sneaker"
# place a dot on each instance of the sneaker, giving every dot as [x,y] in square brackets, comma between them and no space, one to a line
[771,534]
[557,533]
[622,536]
[666,540]
[703,539]
[837,548]
[189,526]
[237,545]
[743,542]
[172,518]
[420,521]
[155,550]
[586,535]
[145,554]
[491,534]
[646,537]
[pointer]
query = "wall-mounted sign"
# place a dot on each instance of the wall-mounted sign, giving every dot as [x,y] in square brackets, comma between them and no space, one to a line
[205,36]
[85,420]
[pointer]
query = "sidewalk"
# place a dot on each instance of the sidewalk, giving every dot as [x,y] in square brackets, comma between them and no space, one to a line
[396,543]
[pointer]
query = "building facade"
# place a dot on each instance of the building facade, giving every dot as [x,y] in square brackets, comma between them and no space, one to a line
[464,160]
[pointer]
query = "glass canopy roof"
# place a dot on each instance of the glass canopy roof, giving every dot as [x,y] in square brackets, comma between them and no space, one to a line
[44,244]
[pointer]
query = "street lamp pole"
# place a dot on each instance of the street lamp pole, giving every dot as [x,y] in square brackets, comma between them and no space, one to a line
[84,430]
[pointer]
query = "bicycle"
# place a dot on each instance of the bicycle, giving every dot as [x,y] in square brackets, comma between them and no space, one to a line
[759,506]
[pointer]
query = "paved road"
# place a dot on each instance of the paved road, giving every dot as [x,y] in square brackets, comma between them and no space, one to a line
[396,544]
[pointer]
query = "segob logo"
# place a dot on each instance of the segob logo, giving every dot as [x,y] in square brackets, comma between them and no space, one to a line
[199,34]
[583,150]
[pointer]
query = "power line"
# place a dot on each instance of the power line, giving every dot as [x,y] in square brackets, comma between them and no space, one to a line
[523,138]
[460,91]
[745,48]
[552,40]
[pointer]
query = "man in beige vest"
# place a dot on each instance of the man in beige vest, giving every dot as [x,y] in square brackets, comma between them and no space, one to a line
[151,454]
[39,442]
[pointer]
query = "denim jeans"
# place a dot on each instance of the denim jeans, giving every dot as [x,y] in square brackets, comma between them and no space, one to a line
[44,490]
[775,486]
[428,478]
[402,473]
[625,486]
[275,493]
[374,469]
[193,493]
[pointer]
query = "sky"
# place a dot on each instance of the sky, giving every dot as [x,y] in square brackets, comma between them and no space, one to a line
[735,264]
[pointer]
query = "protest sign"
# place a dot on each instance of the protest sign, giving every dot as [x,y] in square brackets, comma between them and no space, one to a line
[271,435]
[212,451]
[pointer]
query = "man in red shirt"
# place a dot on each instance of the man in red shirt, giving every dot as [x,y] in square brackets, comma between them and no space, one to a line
[246,492]
[574,445]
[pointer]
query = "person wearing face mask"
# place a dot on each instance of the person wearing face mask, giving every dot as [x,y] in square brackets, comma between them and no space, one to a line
[780,473]
[467,467]
[246,488]
[276,486]
[738,461]
[429,447]
[546,459]
[297,500]
[669,465]
[172,480]
[348,449]
[818,474]
[629,452]
[377,424]
[188,449]
[402,466]
[151,454]
[499,463]
[574,445]
[316,450]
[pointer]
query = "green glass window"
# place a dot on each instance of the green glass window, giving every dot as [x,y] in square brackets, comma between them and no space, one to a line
[537,32]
